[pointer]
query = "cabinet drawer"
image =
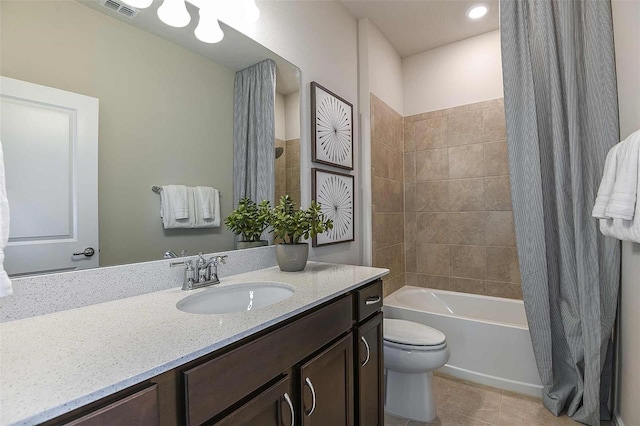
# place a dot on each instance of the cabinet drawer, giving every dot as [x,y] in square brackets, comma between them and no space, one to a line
[369,300]
[215,385]
[141,408]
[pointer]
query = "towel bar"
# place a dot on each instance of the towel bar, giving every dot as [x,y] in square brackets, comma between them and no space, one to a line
[157,190]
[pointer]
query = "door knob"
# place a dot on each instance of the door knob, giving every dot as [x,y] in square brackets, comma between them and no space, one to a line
[88,252]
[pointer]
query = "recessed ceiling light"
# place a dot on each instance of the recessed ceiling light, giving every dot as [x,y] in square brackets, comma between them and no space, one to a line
[477,11]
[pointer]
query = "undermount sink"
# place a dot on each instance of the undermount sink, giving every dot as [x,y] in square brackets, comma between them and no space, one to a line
[236,298]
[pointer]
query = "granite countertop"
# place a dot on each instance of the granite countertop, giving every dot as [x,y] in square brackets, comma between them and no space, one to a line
[52,364]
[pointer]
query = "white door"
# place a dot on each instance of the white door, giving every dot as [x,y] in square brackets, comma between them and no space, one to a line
[50,143]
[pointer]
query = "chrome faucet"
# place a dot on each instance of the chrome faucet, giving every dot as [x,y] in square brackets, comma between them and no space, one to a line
[203,274]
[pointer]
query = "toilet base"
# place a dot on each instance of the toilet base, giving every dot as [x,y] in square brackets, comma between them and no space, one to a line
[410,396]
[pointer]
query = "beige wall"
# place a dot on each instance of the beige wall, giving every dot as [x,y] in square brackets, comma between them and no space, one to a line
[460,234]
[626,26]
[460,73]
[166,116]
[292,116]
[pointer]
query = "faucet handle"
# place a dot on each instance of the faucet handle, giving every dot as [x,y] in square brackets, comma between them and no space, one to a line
[187,263]
[221,259]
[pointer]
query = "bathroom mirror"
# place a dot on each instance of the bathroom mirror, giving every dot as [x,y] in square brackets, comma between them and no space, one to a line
[165,103]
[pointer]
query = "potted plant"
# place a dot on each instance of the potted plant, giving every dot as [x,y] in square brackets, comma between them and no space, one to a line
[291,225]
[249,221]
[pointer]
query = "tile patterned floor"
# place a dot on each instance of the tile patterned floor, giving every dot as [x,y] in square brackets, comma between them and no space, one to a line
[468,404]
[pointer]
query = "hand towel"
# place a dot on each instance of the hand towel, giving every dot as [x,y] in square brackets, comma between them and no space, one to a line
[5,283]
[606,184]
[206,201]
[207,208]
[167,211]
[622,203]
[177,200]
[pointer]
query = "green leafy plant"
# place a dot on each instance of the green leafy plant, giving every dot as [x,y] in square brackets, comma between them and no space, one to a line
[249,219]
[291,224]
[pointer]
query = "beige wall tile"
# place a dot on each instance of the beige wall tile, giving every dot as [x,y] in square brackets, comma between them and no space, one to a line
[430,133]
[466,161]
[467,194]
[432,196]
[432,259]
[379,159]
[381,123]
[432,164]
[409,197]
[467,228]
[398,132]
[409,136]
[396,200]
[497,193]
[293,179]
[508,290]
[410,167]
[493,103]
[410,257]
[410,279]
[295,197]
[410,228]
[396,165]
[466,285]
[502,264]
[465,128]
[432,281]
[496,159]
[432,228]
[292,152]
[468,262]
[389,285]
[387,195]
[391,257]
[388,229]
[499,229]
[494,124]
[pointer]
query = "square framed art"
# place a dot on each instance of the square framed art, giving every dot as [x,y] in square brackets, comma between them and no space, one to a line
[331,128]
[335,193]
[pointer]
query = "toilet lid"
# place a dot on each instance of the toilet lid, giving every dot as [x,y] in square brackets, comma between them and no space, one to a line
[411,333]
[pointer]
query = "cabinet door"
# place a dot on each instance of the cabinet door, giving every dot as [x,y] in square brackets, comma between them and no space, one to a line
[272,407]
[370,373]
[327,386]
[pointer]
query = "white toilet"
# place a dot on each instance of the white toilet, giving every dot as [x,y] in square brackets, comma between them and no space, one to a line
[411,352]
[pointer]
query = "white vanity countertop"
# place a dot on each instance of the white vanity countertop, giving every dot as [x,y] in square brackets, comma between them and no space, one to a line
[52,364]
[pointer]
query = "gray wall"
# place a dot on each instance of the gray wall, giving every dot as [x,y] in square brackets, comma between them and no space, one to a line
[166,117]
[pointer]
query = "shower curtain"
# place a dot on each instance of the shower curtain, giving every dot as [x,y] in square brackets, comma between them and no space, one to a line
[254,133]
[562,118]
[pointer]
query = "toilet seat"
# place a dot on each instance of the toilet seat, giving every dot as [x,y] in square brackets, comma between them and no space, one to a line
[410,335]
[416,348]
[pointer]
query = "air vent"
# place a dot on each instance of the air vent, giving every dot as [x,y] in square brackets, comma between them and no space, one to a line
[120,8]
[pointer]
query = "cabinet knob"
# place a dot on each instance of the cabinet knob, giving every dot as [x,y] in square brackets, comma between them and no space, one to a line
[366,345]
[313,397]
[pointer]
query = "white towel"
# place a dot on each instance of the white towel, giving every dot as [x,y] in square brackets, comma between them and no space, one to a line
[626,230]
[606,185]
[207,207]
[177,200]
[167,211]
[622,204]
[5,282]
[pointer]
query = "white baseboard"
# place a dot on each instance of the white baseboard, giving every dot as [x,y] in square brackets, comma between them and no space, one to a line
[617,421]
[496,382]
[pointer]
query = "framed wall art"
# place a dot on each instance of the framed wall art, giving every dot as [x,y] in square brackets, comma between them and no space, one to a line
[331,128]
[335,193]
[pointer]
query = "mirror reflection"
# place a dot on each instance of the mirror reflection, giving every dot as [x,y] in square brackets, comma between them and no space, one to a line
[160,107]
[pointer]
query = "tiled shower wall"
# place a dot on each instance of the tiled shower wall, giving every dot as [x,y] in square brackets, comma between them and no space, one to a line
[287,170]
[387,145]
[459,231]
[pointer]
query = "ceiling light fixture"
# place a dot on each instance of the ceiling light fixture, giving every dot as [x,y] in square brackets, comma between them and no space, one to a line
[477,11]
[175,14]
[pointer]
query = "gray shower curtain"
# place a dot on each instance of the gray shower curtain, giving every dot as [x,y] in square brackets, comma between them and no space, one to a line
[254,133]
[562,117]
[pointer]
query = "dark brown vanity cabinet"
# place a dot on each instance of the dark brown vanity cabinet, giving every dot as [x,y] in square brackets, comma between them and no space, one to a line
[369,364]
[322,367]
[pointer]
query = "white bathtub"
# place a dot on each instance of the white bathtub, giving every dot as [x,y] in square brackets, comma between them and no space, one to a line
[488,337]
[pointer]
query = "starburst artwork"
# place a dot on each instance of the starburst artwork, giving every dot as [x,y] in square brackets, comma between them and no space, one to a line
[334,192]
[332,128]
